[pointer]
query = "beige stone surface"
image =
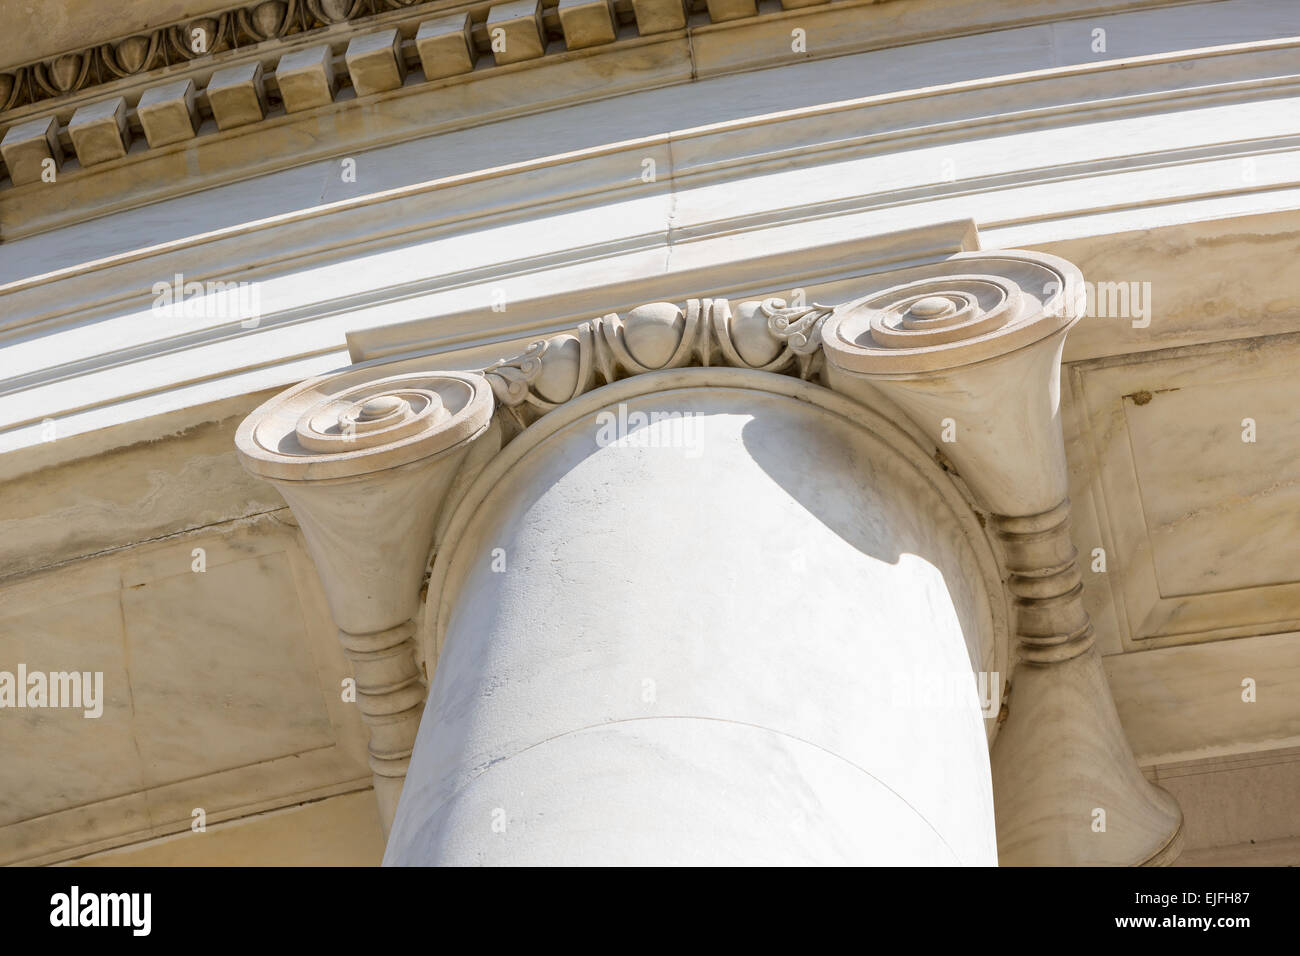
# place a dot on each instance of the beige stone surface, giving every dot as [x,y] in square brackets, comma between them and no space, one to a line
[168,113]
[375,62]
[658,16]
[99,132]
[259,697]
[203,708]
[586,22]
[1209,280]
[27,148]
[722,10]
[446,45]
[336,831]
[776,173]
[136,493]
[840,29]
[77,631]
[306,78]
[951,343]
[366,459]
[1283,852]
[1210,556]
[1180,704]
[591,770]
[1233,802]
[236,96]
[515,30]
[1239,526]
[35,30]
[972,343]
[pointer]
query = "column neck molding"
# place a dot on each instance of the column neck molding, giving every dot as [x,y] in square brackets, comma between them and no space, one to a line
[1046,585]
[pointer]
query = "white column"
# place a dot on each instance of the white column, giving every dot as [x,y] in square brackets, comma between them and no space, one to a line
[743,634]
[751,632]
[970,350]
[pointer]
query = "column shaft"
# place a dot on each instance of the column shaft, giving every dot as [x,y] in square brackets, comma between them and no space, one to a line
[738,634]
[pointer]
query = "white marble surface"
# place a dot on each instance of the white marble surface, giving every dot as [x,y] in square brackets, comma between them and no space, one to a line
[767,588]
[1181,704]
[221,691]
[1200,527]
[879,163]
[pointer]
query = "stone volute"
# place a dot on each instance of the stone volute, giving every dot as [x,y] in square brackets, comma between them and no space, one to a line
[372,461]
[970,350]
[364,458]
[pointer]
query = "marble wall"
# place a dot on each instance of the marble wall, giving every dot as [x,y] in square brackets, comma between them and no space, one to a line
[221,672]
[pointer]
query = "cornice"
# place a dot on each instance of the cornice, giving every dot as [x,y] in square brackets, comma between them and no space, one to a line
[251,44]
[690,231]
[82,110]
[238,28]
[248,26]
[695,157]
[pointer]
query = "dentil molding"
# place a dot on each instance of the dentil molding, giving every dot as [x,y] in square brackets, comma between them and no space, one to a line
[241,66]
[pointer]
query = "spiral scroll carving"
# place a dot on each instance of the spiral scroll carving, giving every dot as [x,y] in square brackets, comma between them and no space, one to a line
[940,311]
[347,424]
[943,316]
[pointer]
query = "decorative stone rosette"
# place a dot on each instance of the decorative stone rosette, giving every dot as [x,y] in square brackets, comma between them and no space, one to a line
[348,424]
[970,349]
[764,335]
[955,313]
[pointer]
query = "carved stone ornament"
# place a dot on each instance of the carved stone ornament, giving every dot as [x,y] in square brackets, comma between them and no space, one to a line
[764,335]
[349,424]
[365,461]
[968,349]
[937,317]
[254,38]
[133,55]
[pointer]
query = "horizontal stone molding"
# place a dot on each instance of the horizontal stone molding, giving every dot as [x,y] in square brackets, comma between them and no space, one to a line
[111,367]
[254,25]
[251,63]
[298,68]
[777,273]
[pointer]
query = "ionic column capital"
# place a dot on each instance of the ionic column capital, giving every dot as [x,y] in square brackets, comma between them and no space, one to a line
[967,349]
[365,458]
[363,419]
[970,350]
